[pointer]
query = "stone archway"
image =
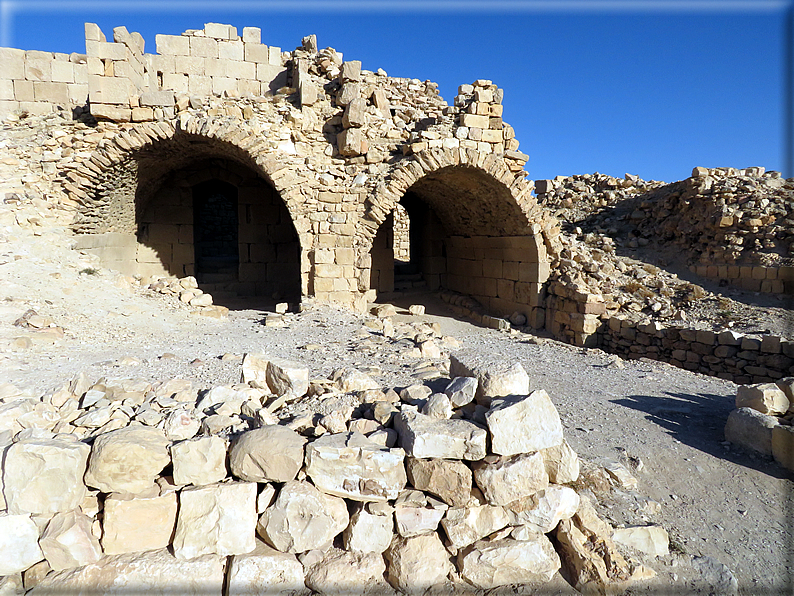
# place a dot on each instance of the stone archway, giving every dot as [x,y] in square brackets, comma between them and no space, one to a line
[139,212]
[475,228]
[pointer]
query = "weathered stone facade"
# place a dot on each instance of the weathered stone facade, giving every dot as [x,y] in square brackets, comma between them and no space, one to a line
[316,154]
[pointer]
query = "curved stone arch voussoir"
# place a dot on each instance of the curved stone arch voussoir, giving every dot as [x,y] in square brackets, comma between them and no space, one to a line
[227,137]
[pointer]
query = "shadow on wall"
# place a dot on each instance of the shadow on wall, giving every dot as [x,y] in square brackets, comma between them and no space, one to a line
[699,421]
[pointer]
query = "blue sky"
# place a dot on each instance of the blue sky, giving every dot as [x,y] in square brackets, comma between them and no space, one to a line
[649,87]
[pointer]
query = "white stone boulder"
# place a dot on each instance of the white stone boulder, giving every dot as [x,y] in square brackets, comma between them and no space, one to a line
[766,398]
[341,572]
[416,513]
[216,519]
[488,565]
[19,543]
[45,475]
[154,572]
[303,519]
[542,511]
[562,463]
[461,390]
[266,570]
[507,479]
[254,370]
[417,563]
[449,480]
[132,524]
[651,540]
[425,437]
[367,532]
[270,453]
[127,459]
[67,541]
[467,525]
[351,466]
[180,425]
[287,377]
[199,461]
[750,429]
[496,378]
[524,424]
[350,380]
[438,405]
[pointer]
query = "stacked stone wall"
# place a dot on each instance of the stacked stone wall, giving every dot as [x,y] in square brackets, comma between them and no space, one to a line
[40,82]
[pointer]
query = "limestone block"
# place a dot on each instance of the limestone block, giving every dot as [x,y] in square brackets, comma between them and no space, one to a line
[252,35]
[750,429]
[303,519]
[44,476]
[131,524]
[487,565]
[496,379]
[13,61]
[172,45]
[524,424]
[38,66]
[255,370]
[180,425]
[352,142]
[350,71]
[449,480]
[216,519]
[220,31]
[355,115]
[199,461]
[266,568]
[351,380]
[417,563]
[461,390]
[271,453]
[286,376]
[62,72]
[467,525]
[542,511]
[309,92]
[766,398]
[425,437]
[230,50]
[437,405]
[156,572]
[203,47]
[783,445]
[368,533]
[350,465]
[19,543]
[127,459]
[68,542]
[562,463]
[651,540]
[474,121]
[164,98]
[507,479]
[588,554]
[416,514]
[341,572]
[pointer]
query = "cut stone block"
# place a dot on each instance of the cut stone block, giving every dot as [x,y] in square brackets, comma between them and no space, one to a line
[488,565]
[417,563]
[216,519]
[19,543]
[341,572]
[425,437]
[67,541]
[449,480]
[507,479]
[350,465]
[524,424]
[265,568]
[199,461]
[271,453]
[542,511]
[783,445]
[138,524]
[368,533]
[467,525]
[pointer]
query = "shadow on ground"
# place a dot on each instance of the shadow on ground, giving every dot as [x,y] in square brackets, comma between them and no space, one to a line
[699,421]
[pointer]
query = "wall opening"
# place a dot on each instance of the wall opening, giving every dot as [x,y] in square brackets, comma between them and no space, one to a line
[215,227]
[465,233]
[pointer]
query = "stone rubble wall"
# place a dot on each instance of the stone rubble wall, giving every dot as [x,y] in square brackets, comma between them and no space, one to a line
[322,501]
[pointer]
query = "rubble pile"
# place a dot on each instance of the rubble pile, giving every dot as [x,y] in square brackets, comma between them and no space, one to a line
[719,216]
[763,421]
[122,481]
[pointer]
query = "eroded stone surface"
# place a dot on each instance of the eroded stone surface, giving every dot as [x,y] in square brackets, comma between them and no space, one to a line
[524,424]
[265,568]
[417,563]
[67,541]
[425,437]
[133,524]
[19,543]
[268,454]
[507,479]
[488,565]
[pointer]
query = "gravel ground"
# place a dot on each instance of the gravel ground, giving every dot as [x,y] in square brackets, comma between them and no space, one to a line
[715,502]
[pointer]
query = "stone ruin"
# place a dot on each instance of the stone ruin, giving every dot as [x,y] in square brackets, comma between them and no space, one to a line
[222,165]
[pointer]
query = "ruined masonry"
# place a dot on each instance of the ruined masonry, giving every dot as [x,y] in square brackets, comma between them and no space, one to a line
[278,174]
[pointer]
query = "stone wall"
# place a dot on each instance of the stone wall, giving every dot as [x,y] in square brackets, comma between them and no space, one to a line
[39,82]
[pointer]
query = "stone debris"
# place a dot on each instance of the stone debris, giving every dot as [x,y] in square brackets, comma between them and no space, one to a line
[306,483]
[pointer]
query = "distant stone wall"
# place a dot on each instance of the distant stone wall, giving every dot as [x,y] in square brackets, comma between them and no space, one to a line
[753,278]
